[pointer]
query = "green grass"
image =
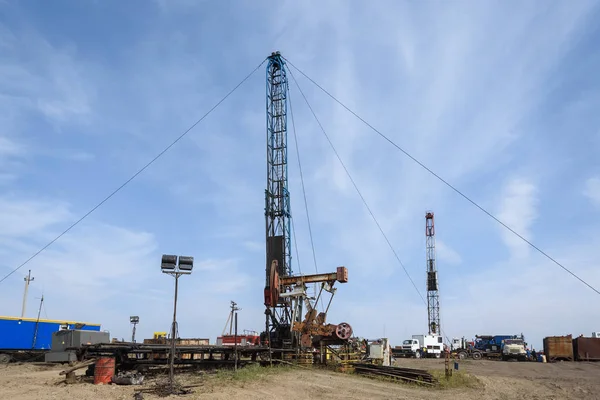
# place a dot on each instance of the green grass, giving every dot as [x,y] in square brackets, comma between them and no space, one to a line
[459,379]
[248,373]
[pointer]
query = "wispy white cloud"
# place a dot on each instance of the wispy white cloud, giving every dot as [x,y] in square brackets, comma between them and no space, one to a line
[592,190]
[25,217]
[214,265]
[51,81]
[524,295]
[254,246]
[447,254]
[460,88]
[9,147]
[518,210]
[430,114]
[107,268]
[11,153]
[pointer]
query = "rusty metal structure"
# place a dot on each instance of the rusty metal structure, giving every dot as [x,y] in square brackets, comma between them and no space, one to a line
[314,327]
[586,348]
[310,330]
[433,295]
[292,321]
[558,348]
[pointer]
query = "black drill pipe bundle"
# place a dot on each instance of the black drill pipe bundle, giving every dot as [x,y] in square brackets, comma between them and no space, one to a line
[405,374]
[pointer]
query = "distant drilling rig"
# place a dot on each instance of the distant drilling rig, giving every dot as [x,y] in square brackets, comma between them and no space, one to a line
[433,294]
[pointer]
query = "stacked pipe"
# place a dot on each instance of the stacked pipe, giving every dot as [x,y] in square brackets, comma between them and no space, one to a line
[405,374]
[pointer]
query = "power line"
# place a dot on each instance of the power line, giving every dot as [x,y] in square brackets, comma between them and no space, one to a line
[45,312]
[295,241]
[355,186]
[489,214]
[134,175]
[303,187]
[312,243]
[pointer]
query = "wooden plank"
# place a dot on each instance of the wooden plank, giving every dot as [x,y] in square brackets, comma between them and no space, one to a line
[79,366]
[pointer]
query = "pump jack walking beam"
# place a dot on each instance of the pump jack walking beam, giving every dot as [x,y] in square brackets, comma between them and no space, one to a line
[341,275]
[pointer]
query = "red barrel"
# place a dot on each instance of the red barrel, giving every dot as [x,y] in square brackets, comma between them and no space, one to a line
[104,370]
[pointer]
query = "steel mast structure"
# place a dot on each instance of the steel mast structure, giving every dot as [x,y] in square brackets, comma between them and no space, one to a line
[433,295]
[288,330]
[277,205]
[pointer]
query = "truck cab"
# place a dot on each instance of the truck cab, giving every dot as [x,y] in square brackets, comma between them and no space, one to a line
[458,344]
[410,348]
[420,346]
[514,349]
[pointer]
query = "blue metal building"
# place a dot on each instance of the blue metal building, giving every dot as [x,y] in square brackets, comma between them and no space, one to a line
[33,334]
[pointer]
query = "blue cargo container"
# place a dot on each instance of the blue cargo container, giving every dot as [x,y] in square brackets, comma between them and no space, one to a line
[20,333]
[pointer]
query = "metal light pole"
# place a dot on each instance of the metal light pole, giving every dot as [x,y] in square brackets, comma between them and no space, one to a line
[28,279]
[175,266]
[235,343]
[134,319]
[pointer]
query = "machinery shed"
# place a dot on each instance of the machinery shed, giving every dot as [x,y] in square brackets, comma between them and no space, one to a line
[32,334]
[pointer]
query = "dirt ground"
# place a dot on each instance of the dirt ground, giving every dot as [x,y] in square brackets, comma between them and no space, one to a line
[494,380]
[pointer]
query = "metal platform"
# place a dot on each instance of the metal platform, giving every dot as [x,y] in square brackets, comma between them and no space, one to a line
[129,355]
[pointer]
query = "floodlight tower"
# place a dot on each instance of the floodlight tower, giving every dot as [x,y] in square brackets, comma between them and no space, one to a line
[277,202]
[134,320]
[433,295]
[175,266]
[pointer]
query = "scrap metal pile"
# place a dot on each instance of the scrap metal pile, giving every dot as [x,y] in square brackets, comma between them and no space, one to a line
[405,374]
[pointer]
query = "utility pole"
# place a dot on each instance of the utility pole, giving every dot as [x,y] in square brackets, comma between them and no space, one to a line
[235,342]
[28,279]
[234,308]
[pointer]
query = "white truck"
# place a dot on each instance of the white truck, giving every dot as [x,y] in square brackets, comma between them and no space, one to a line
[421,346]
[514,349]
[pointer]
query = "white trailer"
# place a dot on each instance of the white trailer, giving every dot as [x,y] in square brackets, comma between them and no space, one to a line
[421,346]
[430,345]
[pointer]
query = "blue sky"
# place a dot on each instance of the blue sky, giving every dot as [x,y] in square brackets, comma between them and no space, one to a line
[499,98]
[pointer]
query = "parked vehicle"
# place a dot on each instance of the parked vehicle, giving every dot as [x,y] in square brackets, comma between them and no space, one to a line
[420,346]
[514,349]
[491,346]
[488,346]
[461,348]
